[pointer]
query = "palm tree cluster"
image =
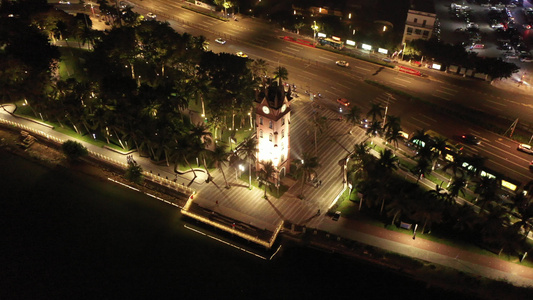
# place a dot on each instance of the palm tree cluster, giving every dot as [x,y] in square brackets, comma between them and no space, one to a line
[387,126]
[499,225]
[140,79]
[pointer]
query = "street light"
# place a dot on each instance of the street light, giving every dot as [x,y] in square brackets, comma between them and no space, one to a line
[315,30]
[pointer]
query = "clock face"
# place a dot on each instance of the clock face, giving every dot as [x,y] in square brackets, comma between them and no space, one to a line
[284,107]
[266,110]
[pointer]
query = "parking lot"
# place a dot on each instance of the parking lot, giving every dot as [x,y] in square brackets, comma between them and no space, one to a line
[489,30]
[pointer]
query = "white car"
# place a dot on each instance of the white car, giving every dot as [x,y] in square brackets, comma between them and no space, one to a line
[241,54]
[220,41]
[526,58]
[526,148]
[342,63]
[151,15]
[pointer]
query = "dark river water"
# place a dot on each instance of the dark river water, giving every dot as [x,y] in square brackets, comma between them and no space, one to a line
[69,236]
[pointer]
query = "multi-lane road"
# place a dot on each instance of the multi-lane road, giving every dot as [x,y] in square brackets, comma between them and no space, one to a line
[314,70]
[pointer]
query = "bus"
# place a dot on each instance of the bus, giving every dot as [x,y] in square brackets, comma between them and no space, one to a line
[331,42]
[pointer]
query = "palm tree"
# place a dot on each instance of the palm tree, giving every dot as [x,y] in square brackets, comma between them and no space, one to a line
[466,218]
[486,188]
[259,68]
[265,173]
[280,74]
[376,112]
[456,167]
[299,26]
[427,211]
[392,129]
[305,168]
[438,146]
[201,132]
[220,158]
[524,212]
[319,124]
[358,158]
[387,162]
[456,187]
[353,117]
[493,224]
[249,150]
[476,163]
[397,207]
[422,168]
[422,137]
[374,129]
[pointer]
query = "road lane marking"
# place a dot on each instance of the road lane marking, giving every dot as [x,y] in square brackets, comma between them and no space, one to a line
[438,96]
[399,84]
[360,68]
[326,58]
[492,107]
[435,121]
[447,88]
[495,102]
[427,124]
[448,93]
[506,158]
[404,80]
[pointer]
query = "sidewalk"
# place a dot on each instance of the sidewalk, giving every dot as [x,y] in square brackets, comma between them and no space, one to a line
[430,251]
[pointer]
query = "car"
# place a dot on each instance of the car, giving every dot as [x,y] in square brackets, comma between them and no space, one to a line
[510,56]
[387,60]
[241,54]
[151,15]
[526,148]
[343,101]
[365,123]
[336,216]
[470,139]
[526,58]
[342,63]
[123,4]
[221,41]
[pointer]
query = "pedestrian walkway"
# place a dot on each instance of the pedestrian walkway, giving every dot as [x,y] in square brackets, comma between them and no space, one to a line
[426,250]
[251,209]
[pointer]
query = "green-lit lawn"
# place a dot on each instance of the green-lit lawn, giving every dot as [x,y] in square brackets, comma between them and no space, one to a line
[70,65]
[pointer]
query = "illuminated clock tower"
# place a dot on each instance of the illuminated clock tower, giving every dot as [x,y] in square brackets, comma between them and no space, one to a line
[273,120]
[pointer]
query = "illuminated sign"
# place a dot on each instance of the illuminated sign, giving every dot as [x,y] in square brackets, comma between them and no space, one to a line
[350,43]
[508,185]
[436,66]
[320,34]
[448,157]
[383,51]
[366,47]
[336,38]
[488,175]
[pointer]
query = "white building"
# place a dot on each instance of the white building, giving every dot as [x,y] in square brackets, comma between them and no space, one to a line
[420,21]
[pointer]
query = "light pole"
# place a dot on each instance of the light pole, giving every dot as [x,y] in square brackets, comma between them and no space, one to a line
[386,110]
[315,29]
[403,50]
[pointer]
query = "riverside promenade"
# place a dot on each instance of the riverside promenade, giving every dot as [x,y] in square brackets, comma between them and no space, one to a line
[250,208]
